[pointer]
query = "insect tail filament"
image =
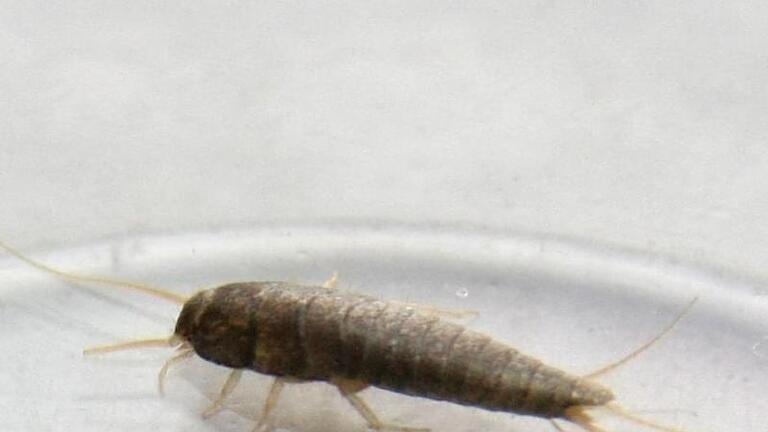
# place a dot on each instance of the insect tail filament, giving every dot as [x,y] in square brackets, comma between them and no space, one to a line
[578,414]
[613,366]
[621,412]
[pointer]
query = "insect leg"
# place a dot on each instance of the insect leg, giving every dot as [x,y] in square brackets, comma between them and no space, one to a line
[226,390]
[270,403]
[349,388]
[577,415]
[332,282]
[556,426]
[186,352]
[439,312]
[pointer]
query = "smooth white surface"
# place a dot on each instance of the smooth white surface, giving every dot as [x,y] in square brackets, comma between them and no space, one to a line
[575,308]
[636,124]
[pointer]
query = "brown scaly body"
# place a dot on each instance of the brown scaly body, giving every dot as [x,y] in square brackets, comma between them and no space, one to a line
[314,333]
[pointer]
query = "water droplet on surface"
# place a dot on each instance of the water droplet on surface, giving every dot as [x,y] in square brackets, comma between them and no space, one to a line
[462,292]
[760,349]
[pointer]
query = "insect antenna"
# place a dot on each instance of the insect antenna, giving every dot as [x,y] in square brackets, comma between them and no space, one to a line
[146,289]
[173,340]
[134,344]
[615,365]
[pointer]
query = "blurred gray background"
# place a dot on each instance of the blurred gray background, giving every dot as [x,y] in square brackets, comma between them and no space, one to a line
[639,125]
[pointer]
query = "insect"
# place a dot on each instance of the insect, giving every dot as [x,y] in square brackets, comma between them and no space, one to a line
[300,333]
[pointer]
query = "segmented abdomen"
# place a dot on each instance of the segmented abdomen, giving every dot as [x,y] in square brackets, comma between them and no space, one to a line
[395,347]
[314,333]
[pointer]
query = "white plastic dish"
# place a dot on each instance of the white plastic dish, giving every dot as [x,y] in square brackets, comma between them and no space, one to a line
[575,306]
